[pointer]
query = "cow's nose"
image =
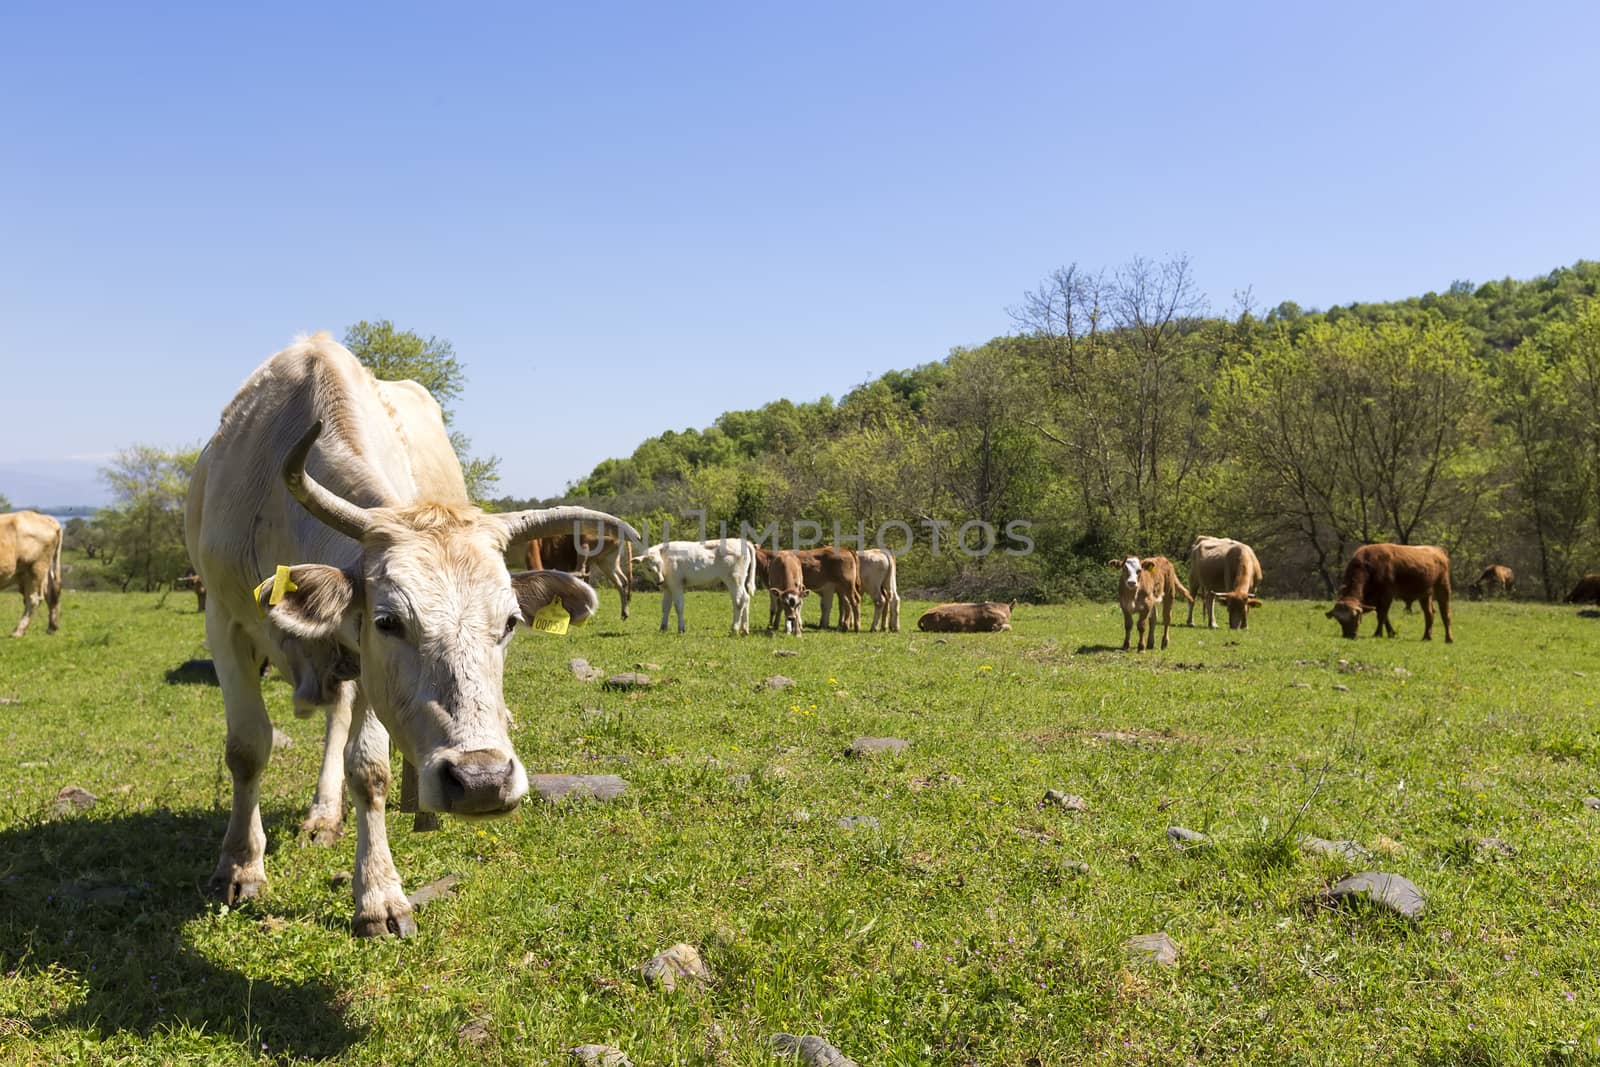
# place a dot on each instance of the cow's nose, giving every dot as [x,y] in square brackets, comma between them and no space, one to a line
[482,782]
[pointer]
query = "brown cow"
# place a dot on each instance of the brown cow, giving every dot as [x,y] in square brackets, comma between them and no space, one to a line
[591,556]
[191,580]
[988,617]
[1146,584]
[30,557]
[1377,575]
[1493,577]
[787,588]
[1587,591]
[828,572]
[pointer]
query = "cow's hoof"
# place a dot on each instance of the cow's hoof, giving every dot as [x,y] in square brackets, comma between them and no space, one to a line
[234,886]
[320,831]
[393,921]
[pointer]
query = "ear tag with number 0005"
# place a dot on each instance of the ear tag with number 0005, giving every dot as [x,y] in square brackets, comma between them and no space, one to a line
[551,619]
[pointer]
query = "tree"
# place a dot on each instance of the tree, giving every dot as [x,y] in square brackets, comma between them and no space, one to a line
[394,355]
[5,502]
[144,527]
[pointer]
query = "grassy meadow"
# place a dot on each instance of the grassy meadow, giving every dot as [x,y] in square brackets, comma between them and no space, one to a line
[960,929]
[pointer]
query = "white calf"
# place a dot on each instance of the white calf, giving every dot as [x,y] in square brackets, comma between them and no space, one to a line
[680,565]
[878,582]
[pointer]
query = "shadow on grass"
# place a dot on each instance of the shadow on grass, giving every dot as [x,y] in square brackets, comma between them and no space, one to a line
[193,672]
[108,900]
[1095,650]
[1589,613]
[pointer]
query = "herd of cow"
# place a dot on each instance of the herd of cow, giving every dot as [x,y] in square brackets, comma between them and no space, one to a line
[333,539]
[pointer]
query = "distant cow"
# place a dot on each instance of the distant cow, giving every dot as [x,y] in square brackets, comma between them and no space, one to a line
[787,590]
[879,582]
[680,565]
[1493,577]
[1587,591]
[30,556]
[834,571]
[1378,575]
[191,580]
[987,617]
[1147,584]
[605,558]
[1221,568]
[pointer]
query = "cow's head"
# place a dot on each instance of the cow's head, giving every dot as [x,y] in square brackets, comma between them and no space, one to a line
[1130,568]
[424,619]
[791,600]
[650,560]
[1349,616]
[1239,605]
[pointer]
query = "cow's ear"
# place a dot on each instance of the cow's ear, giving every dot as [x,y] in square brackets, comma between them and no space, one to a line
[1254,602]
[311,601]
[539,589]
[804,593]
[1149,564]
[1114,564]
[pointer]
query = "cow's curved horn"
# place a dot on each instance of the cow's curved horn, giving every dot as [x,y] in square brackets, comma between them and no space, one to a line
[539,522]
[330,508]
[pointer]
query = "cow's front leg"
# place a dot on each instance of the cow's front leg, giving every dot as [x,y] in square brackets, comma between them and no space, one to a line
[677,604]
[325,822]
[241,871]
[381,904]
[666,606]
[30,600]
[1127,630]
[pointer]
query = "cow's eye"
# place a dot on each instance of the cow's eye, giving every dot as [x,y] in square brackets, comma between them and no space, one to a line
[511,624]
[391,625]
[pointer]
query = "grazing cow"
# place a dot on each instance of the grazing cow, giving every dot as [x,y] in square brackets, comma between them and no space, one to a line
[878,581]
[988,617]
[1221,568]
[191,580]
[1146,585]
[834,571]
[30,556]
[787,589]
[1587,591]
[386,600]
[606,558]
[1377,575]
[680,565]
[1493,577]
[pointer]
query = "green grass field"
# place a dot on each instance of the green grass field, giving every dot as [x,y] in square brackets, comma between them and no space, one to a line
[957,931]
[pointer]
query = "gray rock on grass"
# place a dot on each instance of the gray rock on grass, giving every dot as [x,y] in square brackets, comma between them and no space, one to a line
[1066,801]
[1385,892]
[73,799]
[628,680]
[280,740]
[778,681]
[1348,850]
[437,889]
[863,747]
[678,966]
[599,1056]
[582,671]
[810,1050]
[858,822]
[1183,838]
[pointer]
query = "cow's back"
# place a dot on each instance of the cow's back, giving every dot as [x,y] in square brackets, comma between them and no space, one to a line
[27,539]
[1406,571]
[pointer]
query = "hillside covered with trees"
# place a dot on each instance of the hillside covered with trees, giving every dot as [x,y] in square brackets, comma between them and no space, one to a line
[1120,416]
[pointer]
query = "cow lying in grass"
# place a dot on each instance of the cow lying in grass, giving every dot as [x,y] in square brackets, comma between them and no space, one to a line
[1146,585]
[680,565]
[988,617]
[1378,575]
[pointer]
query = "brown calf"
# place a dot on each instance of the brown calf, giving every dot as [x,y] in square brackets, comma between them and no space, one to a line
[605,558]
[1587,591]
[1377,575]
[1147,584]
[787,588]
[1493,577]
[987,617]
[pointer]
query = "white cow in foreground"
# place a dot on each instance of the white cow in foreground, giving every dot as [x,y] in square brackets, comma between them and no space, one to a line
[878,581]
[1221,568]
[393,610]
[680,565]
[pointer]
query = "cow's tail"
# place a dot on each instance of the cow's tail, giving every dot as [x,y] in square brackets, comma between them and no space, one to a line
[750,569]
[52,578]
[1181,590]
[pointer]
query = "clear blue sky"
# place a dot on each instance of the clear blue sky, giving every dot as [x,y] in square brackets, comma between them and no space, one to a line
[631,217]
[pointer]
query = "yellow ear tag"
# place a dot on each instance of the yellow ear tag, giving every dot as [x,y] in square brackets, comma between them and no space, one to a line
[281,584]
[551,619]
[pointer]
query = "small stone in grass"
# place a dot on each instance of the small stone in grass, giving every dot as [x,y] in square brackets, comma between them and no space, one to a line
[434,890]
[810,1050]
[1349,850]
[72,799]
[1592,803]
[1300,685]
[554,787]
[628,680]
[778,681]
[582,671]
[599,1056]
[653,666]
[1077,867]
[858,822]
[1184,838]
[1401,672]
[1388,892]
[1341,689]
[786,652]
[1492,846]
[1157,948]
[280,739]
[871,746]
[679,965]
[475,1033]
[1067,801]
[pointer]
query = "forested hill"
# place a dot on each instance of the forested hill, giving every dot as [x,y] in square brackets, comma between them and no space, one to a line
[1118,416]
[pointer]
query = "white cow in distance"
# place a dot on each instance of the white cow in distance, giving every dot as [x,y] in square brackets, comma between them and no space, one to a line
[878,581]
[680,565]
